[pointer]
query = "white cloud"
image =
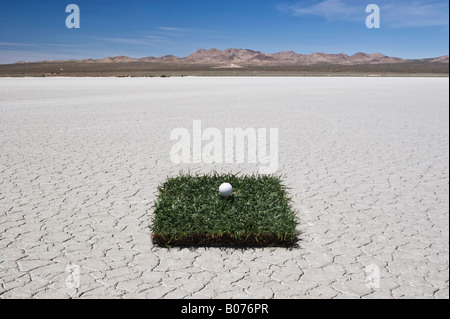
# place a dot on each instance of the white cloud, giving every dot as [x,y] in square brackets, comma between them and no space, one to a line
[331,10]
[144,40]
[15,44]
[394,13]
[416,13]
[173,29]
[125,40]
[154,37]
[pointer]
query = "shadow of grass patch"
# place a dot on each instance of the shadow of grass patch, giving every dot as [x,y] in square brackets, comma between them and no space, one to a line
[190,212]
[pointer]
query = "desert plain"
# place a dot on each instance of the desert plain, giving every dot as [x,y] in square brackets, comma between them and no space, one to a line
[366,160]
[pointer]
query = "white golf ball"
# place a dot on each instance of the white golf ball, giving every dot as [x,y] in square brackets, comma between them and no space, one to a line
[226,190]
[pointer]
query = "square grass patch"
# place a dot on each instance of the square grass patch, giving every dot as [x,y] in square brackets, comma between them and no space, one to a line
[190,212]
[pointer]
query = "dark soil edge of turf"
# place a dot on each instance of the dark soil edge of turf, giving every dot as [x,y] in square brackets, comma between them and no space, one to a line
[224,240]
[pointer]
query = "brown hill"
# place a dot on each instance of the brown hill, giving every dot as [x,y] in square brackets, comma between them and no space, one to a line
[228,56]
[117,59]
[245,58]
[250,57]
[442,59]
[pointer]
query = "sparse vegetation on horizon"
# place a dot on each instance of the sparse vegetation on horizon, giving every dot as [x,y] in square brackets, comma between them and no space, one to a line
[149,69]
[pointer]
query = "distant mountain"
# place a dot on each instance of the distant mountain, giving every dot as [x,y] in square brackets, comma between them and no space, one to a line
[441,59]
[234,58]
[117,59]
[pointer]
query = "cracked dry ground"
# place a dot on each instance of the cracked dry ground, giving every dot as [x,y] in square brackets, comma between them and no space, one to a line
[366,160]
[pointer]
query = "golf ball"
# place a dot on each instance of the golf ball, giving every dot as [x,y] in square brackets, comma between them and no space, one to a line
[226,190]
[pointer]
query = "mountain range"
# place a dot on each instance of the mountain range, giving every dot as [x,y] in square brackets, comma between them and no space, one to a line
[237,58]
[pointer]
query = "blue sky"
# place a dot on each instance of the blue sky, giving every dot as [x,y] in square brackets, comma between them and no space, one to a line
[33,30]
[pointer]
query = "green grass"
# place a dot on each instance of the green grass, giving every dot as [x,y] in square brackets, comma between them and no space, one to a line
[189,211]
